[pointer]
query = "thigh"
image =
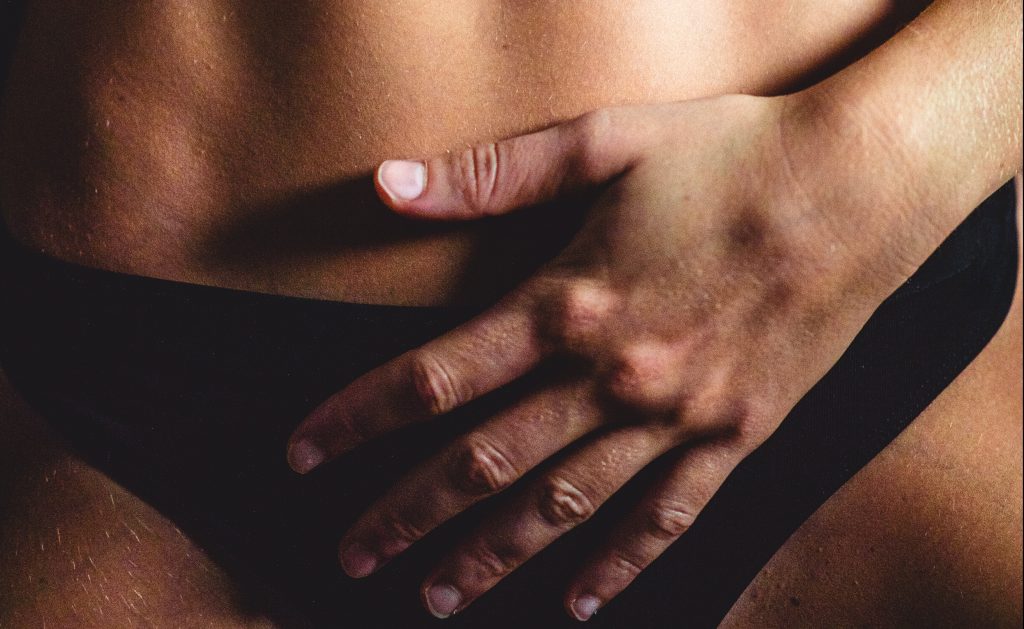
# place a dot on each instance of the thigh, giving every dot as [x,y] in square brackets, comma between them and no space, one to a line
[80,551]
[928,534]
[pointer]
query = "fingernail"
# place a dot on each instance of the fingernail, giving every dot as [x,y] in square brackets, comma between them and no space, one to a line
[304,456]
[358,562]
[585,606]
[442,600]
[403,180]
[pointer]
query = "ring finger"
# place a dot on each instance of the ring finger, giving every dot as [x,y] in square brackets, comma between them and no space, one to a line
[561,499]
[483,462]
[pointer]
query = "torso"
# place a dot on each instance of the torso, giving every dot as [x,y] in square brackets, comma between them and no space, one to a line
[230,143]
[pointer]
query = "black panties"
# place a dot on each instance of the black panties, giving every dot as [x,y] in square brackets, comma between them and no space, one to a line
[186,395]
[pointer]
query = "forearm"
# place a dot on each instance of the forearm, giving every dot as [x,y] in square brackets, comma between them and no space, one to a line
[922,129]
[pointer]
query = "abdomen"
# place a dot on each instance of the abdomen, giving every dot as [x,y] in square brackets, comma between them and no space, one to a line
[231,144]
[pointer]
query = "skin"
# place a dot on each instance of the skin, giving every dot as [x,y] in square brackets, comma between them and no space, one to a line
[711,285]
[881,552]
[189,193]
[200,142]
[81,551]
[917,562]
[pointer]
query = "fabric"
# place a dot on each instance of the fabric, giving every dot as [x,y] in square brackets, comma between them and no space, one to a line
[186,395]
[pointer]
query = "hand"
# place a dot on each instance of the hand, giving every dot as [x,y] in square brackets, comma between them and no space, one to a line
[706,292]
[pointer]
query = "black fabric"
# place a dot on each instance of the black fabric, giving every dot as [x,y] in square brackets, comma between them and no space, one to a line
[186,395]
[12,13]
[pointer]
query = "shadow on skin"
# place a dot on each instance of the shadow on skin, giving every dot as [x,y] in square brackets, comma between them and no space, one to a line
[311,223]
[347,218]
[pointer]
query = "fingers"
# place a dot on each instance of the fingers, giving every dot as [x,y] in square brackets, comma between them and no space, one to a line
[665,513]
[497,177]
[561,499]
[477,465]
[475,358]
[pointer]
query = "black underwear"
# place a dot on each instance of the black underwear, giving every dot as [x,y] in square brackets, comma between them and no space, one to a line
[186,395]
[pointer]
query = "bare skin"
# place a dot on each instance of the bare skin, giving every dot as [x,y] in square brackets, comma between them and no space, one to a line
[207,145]
[203,186]
[734,249]
[886,550]
[898,545]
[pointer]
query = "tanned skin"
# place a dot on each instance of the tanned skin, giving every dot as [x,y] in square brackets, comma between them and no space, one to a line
[243,145]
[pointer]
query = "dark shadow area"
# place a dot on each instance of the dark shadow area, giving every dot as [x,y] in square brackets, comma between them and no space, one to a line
[186,396]
[860,45]
[348,217]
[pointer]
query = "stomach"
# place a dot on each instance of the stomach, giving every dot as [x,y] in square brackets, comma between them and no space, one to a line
[231,143]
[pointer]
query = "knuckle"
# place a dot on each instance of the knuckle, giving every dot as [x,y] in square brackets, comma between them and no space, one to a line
[583,307]
[637,379]
[563,504]
[479,468]
[592,135]
[625,564]
[478,168]
[491,562]
[668,520]
[395,527]
[437,389]
[628,381]
[747,425]
[696,415]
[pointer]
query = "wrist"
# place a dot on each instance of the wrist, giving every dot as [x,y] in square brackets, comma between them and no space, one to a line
[855,168]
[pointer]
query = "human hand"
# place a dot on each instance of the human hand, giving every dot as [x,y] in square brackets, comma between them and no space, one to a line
[709,288]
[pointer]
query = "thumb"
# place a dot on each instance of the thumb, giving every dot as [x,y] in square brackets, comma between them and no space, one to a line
[498,177]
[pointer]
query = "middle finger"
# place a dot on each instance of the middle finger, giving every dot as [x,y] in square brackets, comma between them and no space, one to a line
[558,501]
[478,464]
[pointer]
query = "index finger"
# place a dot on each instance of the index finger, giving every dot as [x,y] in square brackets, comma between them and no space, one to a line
[479,356]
